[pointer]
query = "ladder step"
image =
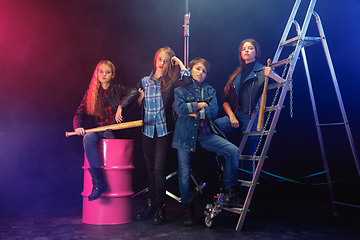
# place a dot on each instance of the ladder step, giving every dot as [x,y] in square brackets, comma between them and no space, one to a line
[275,86]
[331,124]
[279,63]
[246,183]
[256,133]
[235,210]
[268,109]
[292,42]
[249,157]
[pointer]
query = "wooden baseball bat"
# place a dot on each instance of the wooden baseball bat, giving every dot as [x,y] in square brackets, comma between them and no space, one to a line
[263,102]
[117,126]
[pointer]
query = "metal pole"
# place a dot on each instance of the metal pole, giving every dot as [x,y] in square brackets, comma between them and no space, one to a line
[186,33]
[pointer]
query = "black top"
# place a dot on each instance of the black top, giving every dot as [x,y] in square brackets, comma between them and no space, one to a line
[246,88]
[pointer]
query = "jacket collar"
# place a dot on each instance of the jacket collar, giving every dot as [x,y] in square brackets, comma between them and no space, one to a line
[257,68]
[196,85]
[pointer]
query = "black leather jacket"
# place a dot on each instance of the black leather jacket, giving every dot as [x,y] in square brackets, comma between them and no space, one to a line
[257,79]
[119,95]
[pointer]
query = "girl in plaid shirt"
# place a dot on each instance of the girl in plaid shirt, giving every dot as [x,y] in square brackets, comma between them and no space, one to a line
[157,90]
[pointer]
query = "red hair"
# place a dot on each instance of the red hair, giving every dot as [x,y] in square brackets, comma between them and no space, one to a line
[94,103]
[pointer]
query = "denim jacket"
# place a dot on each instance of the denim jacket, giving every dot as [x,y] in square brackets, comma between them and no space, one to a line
[186,127]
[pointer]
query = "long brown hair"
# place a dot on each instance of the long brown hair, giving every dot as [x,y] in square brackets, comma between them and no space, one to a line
[172,73]
[94,103]
[242,63]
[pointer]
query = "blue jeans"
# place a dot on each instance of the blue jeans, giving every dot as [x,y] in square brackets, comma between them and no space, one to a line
[89,142]
[91,139]
[224,125]
[213,143]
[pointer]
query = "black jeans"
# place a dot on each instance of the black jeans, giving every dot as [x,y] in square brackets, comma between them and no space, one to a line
[155,152]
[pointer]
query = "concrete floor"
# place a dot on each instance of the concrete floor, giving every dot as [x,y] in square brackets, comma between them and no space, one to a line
[266,220]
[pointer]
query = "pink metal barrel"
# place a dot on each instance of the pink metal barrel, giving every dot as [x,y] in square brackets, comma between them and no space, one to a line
[114,206]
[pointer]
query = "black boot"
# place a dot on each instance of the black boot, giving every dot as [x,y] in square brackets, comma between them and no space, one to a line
[99,185]
[189,214]
[109,134]
[232,198]
[148,212]
[160,216]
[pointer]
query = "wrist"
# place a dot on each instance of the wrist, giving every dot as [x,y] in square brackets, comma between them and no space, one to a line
[272,75]
[231,115]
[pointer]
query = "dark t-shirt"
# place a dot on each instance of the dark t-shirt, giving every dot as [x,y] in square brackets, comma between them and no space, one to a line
[245,93]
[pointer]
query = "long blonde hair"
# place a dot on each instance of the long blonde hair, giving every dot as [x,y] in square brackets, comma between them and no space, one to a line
[172,73]
[242,63]
[94,103]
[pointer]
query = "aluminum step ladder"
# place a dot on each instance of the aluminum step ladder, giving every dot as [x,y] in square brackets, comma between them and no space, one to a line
[273,112]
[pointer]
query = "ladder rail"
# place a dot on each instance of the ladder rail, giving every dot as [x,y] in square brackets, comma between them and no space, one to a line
[270,134]
[286,31]
[334,79]
[300,41]
[318,129]
[280,101]
[307,19]
[245,137]
[263,155]
[317,124]
[301,38]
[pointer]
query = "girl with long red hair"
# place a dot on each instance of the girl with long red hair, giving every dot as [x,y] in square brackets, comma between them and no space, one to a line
[105,103]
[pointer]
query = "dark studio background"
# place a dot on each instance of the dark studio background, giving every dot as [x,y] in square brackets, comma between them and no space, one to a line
[49,50]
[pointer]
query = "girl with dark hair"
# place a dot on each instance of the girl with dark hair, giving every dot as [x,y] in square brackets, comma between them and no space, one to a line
[104,102]
[241,96]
